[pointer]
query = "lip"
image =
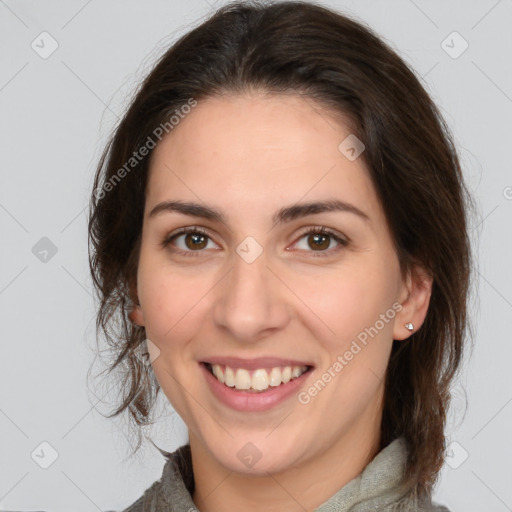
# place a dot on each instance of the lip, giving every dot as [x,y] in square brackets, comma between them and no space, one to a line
[256,363]
[254,402]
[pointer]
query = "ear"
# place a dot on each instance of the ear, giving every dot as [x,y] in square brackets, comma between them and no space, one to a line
[414,299]
[136,314]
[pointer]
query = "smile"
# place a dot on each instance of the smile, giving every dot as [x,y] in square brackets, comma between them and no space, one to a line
[258,380]
[257,384]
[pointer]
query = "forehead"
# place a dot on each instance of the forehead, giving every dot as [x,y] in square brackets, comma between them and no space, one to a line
[258,150]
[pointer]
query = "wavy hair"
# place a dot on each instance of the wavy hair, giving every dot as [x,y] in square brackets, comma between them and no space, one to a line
[295,47]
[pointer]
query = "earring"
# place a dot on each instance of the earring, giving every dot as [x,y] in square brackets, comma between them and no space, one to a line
[409,326]
[132,319]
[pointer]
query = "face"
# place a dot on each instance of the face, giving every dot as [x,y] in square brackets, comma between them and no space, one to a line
[255,295]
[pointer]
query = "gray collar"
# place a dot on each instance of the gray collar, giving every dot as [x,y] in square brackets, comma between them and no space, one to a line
[377,487]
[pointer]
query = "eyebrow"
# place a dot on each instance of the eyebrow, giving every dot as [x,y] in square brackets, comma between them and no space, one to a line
[286,214]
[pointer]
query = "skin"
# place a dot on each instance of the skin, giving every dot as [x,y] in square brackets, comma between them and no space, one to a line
[248,156]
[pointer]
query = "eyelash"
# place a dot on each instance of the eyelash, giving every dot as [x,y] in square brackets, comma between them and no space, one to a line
[311,231]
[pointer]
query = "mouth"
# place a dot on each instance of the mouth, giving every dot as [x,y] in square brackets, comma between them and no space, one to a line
[258,380]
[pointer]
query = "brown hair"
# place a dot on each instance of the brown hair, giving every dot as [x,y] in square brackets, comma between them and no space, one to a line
[300,48]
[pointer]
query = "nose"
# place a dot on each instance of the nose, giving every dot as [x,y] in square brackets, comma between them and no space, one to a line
[251,303]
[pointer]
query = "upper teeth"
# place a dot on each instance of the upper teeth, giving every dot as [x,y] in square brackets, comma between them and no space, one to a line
[240,378]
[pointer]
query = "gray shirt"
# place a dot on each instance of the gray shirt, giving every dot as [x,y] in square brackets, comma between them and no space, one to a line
[378,487]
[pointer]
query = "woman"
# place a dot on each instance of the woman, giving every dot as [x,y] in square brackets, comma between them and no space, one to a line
[280,222]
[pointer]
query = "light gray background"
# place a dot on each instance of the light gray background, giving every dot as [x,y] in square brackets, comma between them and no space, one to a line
[55,116]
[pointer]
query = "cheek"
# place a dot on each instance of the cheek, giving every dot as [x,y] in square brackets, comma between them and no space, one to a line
[356,343]
[173,314]
[171,299]
[171,310]
[348,302]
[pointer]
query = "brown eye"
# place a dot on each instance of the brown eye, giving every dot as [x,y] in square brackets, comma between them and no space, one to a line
[318,240]
[195,241]
[188,241]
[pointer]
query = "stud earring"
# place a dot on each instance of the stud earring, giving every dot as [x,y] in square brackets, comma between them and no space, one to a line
[409,326]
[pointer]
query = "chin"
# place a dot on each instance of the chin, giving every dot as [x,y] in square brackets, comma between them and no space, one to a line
[257,455]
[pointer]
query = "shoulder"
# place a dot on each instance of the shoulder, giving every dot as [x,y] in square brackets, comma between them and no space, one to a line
[430,506]
[437,508]
[146,503]
[411,506]
[174,487]
[410,501]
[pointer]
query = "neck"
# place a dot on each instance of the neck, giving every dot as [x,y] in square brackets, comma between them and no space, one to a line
[217,489]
